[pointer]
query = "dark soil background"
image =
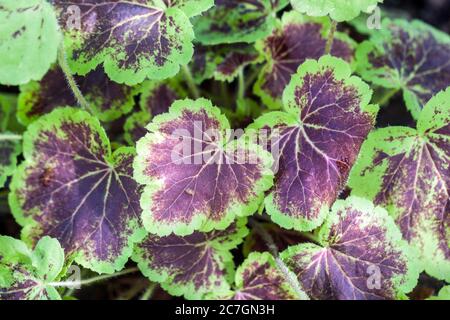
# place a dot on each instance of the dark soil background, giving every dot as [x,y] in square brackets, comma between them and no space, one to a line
[434,12]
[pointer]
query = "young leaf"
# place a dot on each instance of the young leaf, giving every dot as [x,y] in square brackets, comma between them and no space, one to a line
[222,62]
[193,265]
[338,10]
[361,256]
[109,100]
[10,148]
[409,56]
[133,39]
[407,171]
[196,179]
[72,188]
[316,140]
[231,21]
[26,274]
[259,278]
[285,52]
[29,39]
[156,99]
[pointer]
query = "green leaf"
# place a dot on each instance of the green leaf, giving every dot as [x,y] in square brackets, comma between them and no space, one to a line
[191,7]
[409,56]
[8,104]
[29,39]
[26,274]
[338,10]
[407,171]
[444,294]
[231,21]
[360,255]
[133,39]
[10,148]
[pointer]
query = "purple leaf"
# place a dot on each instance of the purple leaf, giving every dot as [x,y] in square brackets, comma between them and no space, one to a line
[193,265]
[407,171]
[285,51]
[108,99]
[196,179]
[361,256]
[409,56]
[315,141]
[71,187]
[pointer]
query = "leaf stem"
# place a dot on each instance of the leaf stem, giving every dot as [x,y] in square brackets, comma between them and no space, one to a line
[62,60]
[241,85]
[91,280]
[293,281]
[330,39]
[149,292]
[224,94]
[10,136]
[251,79]
[190,82]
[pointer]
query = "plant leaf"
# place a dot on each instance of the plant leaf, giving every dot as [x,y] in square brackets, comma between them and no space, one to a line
[315,141]
[231,21]
[135,39]
[72,188]
[285,51]
[444,294]
[109,100]
[411,56]
[156,98]
[8,104]
[29,40]
[222,62]
[407,171]
[10,148]
[26,274]
[190,7]
[337,9]
[361,256]
[193,265]
[259,278]
[206,186]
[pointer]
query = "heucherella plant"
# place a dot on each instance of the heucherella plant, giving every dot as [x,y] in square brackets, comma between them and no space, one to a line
[235,150]
[408,172]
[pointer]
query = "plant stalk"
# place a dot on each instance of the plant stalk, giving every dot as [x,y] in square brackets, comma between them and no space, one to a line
[10,136]
[62,60]
[241,85]
[89,281]
[293,281]
[149,292]
[330,39]
[190,82]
